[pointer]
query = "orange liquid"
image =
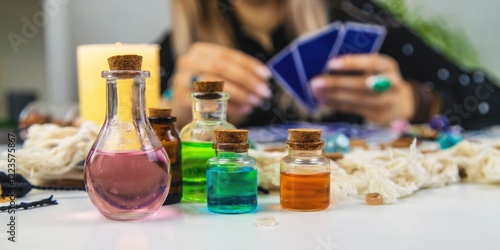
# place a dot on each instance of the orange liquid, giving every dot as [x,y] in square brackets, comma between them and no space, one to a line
[305,192]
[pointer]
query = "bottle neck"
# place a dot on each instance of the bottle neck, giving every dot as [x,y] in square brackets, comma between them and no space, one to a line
[305,153]
[230,154]
[164,126]
[165,131]
[126,99]
[209,107]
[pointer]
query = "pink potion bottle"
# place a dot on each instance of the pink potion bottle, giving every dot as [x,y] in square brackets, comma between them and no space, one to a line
[127,171]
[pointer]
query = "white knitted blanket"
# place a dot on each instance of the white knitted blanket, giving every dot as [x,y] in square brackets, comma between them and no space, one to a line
[51,150]
[396,173]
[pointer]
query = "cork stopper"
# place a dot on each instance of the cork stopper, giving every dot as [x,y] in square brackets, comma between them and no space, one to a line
[160,112]
[305,139]
[234,140]
[304,135]
[208,86]
[231,135]
[125,62]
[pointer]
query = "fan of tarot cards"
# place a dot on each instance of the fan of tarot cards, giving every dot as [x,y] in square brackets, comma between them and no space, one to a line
[307,56]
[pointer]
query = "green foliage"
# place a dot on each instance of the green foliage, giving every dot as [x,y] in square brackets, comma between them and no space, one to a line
[436,32]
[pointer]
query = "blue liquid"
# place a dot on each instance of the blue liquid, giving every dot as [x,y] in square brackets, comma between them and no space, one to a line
[231,190]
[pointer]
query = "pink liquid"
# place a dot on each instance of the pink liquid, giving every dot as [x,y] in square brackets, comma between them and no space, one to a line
[127,185]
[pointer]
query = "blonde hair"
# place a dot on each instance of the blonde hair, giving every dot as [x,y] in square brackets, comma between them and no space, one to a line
[203,20]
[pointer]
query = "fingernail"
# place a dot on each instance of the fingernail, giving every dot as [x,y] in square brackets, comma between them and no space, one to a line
[254,100]
[264,90]
[317,83]
[264,72]
[335,64]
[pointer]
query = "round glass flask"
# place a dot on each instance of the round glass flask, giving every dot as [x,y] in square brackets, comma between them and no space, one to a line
[127,171]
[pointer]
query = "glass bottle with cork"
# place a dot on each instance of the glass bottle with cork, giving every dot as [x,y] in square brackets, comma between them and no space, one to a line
[127,171]
[231,174]
[163,124]
[305,172]
[209,113]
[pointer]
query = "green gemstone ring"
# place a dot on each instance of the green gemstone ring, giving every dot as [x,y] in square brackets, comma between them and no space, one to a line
[378,83]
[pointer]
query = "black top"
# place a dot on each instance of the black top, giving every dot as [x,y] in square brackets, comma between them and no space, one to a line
[467,98]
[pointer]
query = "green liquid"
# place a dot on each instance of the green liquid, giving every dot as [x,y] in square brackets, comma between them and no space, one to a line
[194,170]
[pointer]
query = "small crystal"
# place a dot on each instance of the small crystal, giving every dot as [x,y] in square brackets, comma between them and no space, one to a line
[449,139]
[338,143]
[266,221]
[439,123]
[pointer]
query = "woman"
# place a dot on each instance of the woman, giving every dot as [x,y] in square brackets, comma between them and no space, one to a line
[231,40]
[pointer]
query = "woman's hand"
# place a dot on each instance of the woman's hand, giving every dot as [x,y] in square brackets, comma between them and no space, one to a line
[350,94]
[245,79]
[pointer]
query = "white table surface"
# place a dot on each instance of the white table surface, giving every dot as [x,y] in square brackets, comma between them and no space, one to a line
[463,216]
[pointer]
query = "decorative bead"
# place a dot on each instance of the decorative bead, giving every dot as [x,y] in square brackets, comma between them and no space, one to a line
[440,123]
[408,49]
[338,143]
[478,77]
[484,108]
[374,199]
[266,221]
[334,156]
[449,139]
[443,74]
[400,126]
[464,80]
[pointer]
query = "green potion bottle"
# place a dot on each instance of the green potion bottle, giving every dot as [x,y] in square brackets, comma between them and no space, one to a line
[209,113]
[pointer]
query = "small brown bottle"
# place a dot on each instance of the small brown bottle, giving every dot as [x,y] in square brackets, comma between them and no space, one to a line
[164,127]
[305,172]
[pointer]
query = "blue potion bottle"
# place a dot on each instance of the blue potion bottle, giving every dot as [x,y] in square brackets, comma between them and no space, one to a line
[231,174]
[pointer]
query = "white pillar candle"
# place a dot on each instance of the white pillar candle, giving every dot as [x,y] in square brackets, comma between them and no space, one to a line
[92,59]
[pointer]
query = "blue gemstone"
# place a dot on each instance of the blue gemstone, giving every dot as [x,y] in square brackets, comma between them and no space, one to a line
[439,123]
[338,143]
